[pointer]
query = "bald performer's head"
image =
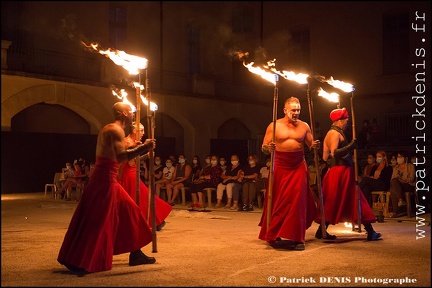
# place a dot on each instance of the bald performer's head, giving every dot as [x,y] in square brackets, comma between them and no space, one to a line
[123,111]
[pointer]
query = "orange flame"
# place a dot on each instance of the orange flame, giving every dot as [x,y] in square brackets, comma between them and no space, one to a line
[332,97]
[129,62]
[122,94]
[270,77]
[346,87]
[300,78]
[153,106]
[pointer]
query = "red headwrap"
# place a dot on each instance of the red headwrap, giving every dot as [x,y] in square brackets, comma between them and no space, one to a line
[338,114]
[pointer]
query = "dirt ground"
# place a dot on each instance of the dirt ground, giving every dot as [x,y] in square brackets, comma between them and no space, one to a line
[217,248]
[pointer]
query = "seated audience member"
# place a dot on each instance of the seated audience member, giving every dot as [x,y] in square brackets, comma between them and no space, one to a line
[379,178]
[222,163]
[393,161]
[229,179]
[73,181]
[173,159]
[167,174]
[158,168]
[209,178]
[247,176]
[91,170]
[207,161]
[66,172]
[196,168]
[368,168]
[402,180]
[182,177]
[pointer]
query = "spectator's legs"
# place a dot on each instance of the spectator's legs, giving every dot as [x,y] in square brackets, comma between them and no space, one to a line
[169,192]
[245,192]
[200,198]
[194,198]
[158,187]
[236,194]
[176,191]
[219,193]
[229,191]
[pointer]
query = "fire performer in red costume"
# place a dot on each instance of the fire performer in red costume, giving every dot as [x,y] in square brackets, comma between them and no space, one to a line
[339,188]
[107,221]
[293,206]
[127,178]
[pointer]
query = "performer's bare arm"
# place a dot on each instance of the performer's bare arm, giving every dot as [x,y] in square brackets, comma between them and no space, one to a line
[309,140]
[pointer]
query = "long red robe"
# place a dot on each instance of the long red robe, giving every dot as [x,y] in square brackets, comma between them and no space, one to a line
[128,181]
[106,222]
[293,207]
[340,192]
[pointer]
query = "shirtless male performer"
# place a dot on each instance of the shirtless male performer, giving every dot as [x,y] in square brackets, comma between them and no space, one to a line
[293,207]
[127,178]
[107,221]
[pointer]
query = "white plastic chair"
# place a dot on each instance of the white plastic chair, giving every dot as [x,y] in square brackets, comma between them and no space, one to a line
[53,185]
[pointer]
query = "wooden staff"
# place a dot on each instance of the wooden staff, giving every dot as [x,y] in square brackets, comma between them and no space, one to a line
[152,208]
[138,138]
[270,177]
[316,160]
[359,210]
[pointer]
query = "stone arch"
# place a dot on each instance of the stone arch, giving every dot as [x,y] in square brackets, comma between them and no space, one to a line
[167,125]
[233,129]
[68,96]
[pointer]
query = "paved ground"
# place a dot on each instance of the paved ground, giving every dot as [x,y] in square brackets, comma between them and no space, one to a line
[218,248]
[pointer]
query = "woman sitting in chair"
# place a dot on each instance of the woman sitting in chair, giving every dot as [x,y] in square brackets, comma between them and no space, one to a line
[73,181]
[402,180]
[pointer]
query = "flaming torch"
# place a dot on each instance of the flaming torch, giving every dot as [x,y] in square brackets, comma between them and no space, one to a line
[151,125]
[272,78]
[347,87]
[134,64]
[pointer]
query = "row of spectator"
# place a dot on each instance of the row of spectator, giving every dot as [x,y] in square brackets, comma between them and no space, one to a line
[396,175]
[232,177]
[74,176]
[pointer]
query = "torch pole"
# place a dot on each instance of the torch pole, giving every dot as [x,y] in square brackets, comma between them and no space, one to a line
[138,138]
[152,208]
[316,160]
[359,210]
[272,155]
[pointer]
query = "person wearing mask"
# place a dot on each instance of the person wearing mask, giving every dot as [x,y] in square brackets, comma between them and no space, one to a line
[402,180]
[222,163]
[247,176]
[371,162]
[167,174]
[229,180]
[378,179]
[196,168]
[209,178]
[182,178]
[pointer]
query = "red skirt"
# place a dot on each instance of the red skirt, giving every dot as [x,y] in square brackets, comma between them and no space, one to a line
[128,181]
[340,192]
[293,207]
[106,222]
